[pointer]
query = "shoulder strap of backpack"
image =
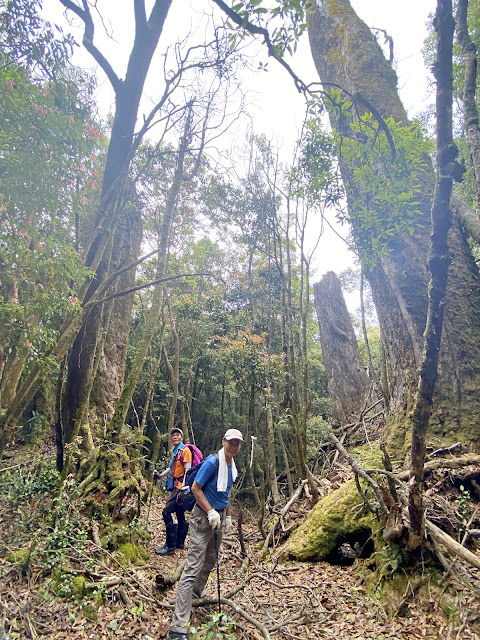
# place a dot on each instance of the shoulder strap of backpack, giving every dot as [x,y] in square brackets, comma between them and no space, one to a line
[217,464]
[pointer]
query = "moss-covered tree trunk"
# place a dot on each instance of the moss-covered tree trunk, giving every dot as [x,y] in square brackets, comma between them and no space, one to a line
[110,375]
[346,54]
[96,364]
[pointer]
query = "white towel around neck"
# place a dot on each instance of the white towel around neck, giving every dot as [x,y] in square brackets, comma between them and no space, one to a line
[222,479]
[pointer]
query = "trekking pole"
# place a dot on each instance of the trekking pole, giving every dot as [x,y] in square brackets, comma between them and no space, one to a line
[150,502]
[218,569]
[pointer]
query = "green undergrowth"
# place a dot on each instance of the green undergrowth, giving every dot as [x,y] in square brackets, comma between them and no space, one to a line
[217,627]
[49,536]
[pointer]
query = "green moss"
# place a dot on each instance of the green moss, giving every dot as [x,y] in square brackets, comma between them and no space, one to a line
[332,517]
[114,535]
[132,554]
[68,586]
[450,610]
[90,612]
[369,457]
[78,587]
[396,578]
[20,556]
[391,591]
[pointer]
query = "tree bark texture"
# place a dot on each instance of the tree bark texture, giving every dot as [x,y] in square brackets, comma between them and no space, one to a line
[346,54]
[90,347]
[110,375]
[348,382]
[96,364]
[470,112]
[439,259]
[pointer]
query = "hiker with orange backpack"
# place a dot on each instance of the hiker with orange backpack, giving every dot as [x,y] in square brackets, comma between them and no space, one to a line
[180,463]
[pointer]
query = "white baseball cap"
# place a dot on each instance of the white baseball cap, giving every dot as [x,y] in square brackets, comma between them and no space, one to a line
[233,434]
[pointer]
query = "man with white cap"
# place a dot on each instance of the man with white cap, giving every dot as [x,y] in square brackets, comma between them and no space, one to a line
[211,515]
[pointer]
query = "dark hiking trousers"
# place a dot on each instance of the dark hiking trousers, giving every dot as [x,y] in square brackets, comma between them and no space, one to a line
[173,507]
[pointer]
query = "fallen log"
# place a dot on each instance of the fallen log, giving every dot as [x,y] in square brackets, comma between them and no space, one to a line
[452,545]
[444,463]
[166,580]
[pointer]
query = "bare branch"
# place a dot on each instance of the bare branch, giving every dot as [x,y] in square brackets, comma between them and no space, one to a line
[86,16]
[140,15]
[359,472]
[93,302]
[260,31]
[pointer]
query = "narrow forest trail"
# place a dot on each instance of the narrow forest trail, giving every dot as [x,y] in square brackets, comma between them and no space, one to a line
[291,600]
[301,600]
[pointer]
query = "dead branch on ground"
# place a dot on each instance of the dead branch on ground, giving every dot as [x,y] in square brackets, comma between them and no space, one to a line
[452,545]
[164,581]
[445,463]
[279,519]
[359,472]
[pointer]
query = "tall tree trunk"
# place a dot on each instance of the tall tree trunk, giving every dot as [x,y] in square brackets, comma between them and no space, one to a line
[123,404]
[346,54]
[96,364]
[372,373]
[173,371]
[270,466]
[348,383]
[286,460]
[110,375]
[470,111]
[439,259]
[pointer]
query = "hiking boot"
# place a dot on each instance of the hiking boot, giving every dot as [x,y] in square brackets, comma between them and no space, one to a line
[176,635]
[171,536]
[165,551]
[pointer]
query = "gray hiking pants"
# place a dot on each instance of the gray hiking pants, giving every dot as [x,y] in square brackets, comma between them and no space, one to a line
[200,561]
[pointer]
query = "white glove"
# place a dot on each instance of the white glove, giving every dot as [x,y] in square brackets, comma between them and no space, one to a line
[228,523]
[214,519]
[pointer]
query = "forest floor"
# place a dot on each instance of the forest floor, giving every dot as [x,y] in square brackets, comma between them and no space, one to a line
[39,597]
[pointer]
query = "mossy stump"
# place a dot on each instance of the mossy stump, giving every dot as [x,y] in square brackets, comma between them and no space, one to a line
[112,485]
[327,525]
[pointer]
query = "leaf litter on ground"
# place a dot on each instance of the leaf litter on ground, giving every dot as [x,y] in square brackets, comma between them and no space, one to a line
[292,600]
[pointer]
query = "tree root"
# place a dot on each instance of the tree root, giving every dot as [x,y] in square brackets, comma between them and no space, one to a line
[112,484]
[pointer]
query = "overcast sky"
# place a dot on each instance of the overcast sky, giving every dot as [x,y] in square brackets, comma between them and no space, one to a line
[275,106]
[281,117]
